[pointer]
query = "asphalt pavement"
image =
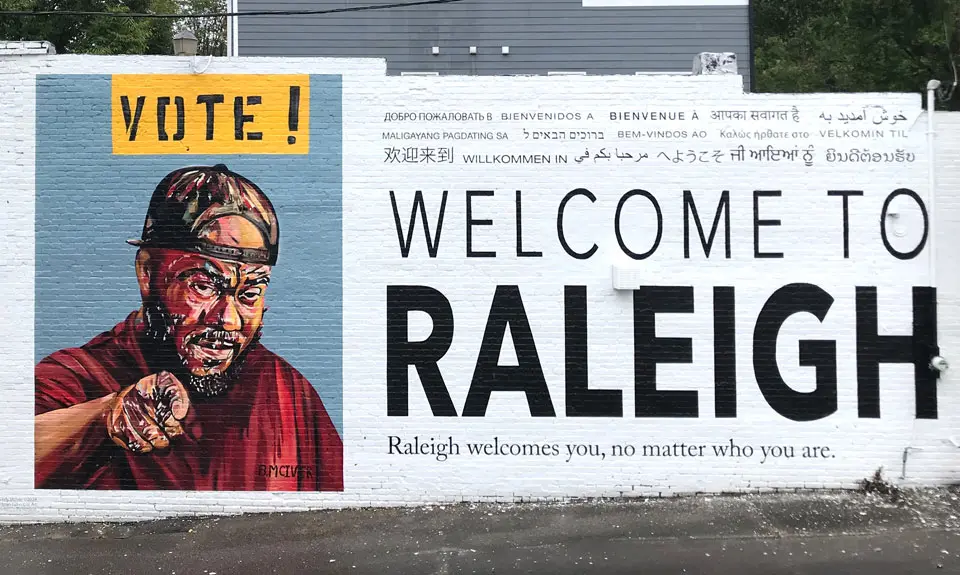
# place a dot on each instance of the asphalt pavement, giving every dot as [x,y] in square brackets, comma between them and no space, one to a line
[811,533]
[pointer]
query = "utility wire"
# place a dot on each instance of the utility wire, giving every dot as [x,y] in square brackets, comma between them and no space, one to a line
[221,14]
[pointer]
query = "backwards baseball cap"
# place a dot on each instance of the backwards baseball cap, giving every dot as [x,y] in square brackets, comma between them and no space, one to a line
[214,212]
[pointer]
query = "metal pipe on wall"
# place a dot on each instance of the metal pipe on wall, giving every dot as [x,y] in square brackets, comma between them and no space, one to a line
[932,86]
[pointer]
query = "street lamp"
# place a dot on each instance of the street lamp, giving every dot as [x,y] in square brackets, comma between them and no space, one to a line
[185,43]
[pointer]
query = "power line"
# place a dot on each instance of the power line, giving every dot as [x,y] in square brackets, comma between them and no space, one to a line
[222,14]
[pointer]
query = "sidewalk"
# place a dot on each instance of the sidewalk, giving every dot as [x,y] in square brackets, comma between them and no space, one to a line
[821,534]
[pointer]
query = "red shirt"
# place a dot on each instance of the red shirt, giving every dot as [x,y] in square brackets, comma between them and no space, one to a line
[268,432]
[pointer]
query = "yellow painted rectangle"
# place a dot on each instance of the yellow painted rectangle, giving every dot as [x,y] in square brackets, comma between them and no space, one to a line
[202,114]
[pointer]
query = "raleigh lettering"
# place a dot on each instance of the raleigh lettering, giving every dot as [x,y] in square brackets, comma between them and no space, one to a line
[507,311]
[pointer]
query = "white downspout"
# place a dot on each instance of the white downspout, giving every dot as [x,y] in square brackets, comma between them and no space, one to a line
[938,363]
[932,86]
[229,31]
[232,21]
[236,29]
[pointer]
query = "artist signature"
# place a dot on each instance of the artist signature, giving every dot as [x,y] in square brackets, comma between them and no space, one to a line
[284,471]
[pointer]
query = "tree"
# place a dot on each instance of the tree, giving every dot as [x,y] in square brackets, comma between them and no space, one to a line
[92,34]
[111,35]
[856,45]
[211,33]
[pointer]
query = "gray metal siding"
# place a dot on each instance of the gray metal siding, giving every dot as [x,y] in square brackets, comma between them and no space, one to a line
[543,36]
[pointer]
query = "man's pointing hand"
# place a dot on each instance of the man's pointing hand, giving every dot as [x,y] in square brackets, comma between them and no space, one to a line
[147,415]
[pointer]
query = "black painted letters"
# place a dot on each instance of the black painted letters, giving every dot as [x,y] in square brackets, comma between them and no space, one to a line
[757,223]
[649,350]
[582,401]
[424,355]
[239,118]
[489,376]
[723,207]
[616,223]
[472,222]
[918,349]
[794,405]
[845,194]
[883,224]
[562,237]
[432,243]
[162,104]
[210,100]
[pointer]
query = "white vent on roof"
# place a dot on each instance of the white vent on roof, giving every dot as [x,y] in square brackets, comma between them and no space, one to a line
[26,48]
[714,63]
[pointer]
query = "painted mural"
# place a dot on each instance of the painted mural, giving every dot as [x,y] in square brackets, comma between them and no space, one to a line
[279,285]
[182,392]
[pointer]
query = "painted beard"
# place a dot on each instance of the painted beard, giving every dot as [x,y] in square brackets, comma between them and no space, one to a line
[162,353]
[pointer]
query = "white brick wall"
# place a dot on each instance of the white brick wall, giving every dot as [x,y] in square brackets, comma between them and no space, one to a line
[944,447]
[810,236]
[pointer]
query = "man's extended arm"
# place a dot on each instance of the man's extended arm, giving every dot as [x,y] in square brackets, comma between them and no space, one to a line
[63,438]
[139,418]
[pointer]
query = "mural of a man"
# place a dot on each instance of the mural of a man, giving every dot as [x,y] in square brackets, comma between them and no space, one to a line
[182,394]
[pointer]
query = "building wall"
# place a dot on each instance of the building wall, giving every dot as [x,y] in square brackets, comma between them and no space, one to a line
[564,333]
[543,35]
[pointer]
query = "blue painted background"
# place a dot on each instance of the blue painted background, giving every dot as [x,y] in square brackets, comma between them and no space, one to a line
[89,202]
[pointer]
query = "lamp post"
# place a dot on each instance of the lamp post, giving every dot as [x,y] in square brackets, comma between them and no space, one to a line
[185,43]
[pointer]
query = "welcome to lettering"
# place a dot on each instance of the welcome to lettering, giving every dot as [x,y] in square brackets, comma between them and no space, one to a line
[691,214]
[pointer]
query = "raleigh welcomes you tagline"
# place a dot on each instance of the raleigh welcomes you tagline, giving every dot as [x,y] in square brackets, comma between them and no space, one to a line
[444,448]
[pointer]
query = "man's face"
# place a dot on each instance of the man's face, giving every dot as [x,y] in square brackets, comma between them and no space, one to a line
[215,307]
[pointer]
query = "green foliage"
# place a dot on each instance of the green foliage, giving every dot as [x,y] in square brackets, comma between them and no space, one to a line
[107,35]
[856,45]
[92,34]
[211,32]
